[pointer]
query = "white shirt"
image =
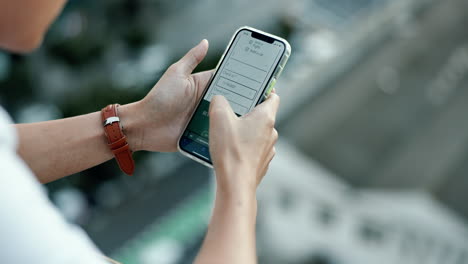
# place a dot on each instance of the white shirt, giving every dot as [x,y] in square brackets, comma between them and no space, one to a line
[31,228]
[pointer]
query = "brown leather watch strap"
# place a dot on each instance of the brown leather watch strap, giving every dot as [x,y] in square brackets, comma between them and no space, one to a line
[116,139]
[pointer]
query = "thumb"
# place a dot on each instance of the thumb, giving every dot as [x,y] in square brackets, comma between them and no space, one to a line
[220,108]
[192,58]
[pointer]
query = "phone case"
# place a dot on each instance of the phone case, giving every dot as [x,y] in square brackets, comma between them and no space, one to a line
[277,72]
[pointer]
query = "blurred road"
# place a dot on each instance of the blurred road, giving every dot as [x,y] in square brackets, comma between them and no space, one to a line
[148,207]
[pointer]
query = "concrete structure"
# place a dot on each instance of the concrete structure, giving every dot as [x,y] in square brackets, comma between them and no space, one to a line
[306,213]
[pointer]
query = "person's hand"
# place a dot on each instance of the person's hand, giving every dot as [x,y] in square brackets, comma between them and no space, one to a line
[242,147]
[158,119]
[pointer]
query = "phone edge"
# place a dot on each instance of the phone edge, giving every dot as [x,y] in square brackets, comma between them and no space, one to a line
[287,53]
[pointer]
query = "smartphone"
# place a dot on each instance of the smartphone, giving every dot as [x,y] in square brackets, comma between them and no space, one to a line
[245,76]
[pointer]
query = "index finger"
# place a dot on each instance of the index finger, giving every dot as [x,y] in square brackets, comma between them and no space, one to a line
[269,106]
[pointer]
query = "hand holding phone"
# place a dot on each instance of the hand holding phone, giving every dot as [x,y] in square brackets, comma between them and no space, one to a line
[245,76]
[242,146]
[163,113]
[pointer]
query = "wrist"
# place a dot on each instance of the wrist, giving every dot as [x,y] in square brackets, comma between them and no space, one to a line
[237,182]
[239,199]
[132,123]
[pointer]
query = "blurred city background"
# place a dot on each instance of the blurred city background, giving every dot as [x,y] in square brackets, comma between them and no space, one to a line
[372,162]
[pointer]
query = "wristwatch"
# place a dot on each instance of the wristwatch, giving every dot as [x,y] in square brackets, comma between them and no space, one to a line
[116,139]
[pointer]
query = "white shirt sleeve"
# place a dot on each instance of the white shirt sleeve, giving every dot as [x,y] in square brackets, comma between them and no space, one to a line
[31,228]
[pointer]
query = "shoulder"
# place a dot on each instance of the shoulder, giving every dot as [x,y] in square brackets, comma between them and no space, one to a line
[27,214]
[14,170]
[8,138]
[15,173]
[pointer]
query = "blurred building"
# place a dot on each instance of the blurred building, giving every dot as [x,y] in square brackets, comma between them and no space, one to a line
[396,118]
[309,215]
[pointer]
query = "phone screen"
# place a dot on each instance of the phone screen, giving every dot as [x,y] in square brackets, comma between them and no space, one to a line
[241,78]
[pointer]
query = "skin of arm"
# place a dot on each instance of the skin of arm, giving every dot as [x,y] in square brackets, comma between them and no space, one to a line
[240,164]
[58,148]
[231,232]
[54,149]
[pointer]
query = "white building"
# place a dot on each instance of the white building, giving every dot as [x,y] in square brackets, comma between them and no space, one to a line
[306,213]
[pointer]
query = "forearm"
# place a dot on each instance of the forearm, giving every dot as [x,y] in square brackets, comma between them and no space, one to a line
[231,232]
[58,148]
